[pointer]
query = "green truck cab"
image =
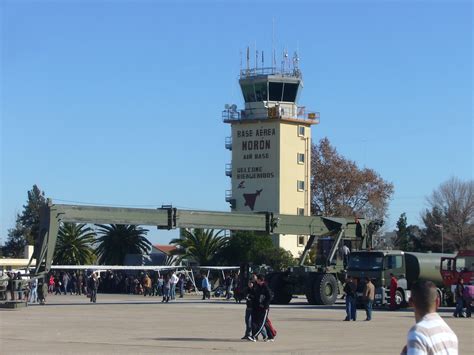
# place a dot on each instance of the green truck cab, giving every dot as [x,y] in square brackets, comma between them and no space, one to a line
[407,267]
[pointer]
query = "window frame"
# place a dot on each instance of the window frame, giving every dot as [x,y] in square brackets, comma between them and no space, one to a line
[298,183]
[298,160]
[301,128]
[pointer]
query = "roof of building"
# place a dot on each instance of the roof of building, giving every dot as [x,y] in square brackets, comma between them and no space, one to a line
[165,248]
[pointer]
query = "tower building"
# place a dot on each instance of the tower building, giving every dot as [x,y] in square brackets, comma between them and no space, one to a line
[271,146]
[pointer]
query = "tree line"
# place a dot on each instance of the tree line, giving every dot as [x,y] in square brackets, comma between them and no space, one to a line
[448,222]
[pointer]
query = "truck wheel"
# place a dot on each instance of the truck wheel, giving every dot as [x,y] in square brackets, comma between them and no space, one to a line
[400,299]
[309,289]
[280,287]
[325,289]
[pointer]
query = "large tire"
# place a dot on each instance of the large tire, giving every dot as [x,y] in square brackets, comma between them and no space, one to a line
[400,299]
[281,288]
[309,288]
[325,289]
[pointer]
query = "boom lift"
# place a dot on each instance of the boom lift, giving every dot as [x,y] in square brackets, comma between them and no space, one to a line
[310,278]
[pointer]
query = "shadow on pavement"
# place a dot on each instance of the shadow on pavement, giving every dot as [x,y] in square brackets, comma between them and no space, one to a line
[217,340]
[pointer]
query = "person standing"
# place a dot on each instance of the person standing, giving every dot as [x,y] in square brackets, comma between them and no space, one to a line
[147,285]
[458,312]
[160,285]
[94,285]
[65,282]
[206,287]
[430,334]
[393,292]
[182,283]
[260,310]
[51,284]
[467,296]
[369,296]
[350,291]
[345,255]
[79,283]
[33,291]
[228,287]
[166,289]
[250,295]
[173,281]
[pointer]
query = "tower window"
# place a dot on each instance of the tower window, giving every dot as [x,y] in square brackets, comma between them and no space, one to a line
[300,158]
[261,92]
[300,185]
[275,91]
[248,92]
[301,131]
[289,92]
[300,211]
[301,240]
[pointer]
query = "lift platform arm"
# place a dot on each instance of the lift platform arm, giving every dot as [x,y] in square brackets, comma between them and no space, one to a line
[52,215]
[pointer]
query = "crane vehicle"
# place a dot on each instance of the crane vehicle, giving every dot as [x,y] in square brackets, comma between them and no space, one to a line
[309,278]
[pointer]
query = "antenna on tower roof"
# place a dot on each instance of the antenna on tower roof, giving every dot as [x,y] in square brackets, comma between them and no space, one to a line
[248,59]
[273,44]
[240,52]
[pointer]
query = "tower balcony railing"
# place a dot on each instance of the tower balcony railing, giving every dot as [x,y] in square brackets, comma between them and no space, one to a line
[228,170]
[228,196]
[228,143]
[253,72]
[231,115]
[296,112]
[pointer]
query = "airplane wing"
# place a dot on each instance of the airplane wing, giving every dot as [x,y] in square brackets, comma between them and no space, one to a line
[115,267]
[220,267]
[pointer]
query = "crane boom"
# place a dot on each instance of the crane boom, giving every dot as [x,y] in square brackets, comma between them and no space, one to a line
[168,217]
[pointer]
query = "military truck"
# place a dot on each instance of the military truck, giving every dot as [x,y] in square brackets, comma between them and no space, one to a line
[322,283]
[406,266]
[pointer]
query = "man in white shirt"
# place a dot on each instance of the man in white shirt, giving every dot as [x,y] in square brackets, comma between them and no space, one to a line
[430,335]
[173,281]
[345,255]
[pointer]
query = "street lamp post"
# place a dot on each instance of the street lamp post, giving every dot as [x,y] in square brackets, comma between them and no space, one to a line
[440,226]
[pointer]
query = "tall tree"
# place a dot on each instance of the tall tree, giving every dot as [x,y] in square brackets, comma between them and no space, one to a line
[455,199]
[74,245]
[200,245]
[26,229]
[15,245]
[402,239]
[340,188]
[431,235]
[117,240]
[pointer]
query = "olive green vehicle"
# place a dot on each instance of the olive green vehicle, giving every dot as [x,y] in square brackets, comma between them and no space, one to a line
[322,283]
[407,267]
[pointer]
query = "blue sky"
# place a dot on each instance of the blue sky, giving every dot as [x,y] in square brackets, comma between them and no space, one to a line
[119,102]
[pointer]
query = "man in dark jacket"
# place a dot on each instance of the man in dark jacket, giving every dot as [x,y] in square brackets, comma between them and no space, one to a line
[350,291]
[250,296]
[458,312]
[260,308]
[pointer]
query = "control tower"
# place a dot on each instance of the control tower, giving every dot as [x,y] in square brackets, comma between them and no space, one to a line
[271,146]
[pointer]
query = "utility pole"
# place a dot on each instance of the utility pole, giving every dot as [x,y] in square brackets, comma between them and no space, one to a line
[440,226]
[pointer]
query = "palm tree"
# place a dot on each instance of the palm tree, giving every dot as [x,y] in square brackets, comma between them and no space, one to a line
[200,245]
[118,240]
[74,245]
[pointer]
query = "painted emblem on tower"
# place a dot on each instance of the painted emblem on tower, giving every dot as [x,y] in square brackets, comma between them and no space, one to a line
[251,198]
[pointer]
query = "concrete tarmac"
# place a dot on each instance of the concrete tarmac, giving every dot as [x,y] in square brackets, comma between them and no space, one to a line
[125,324]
